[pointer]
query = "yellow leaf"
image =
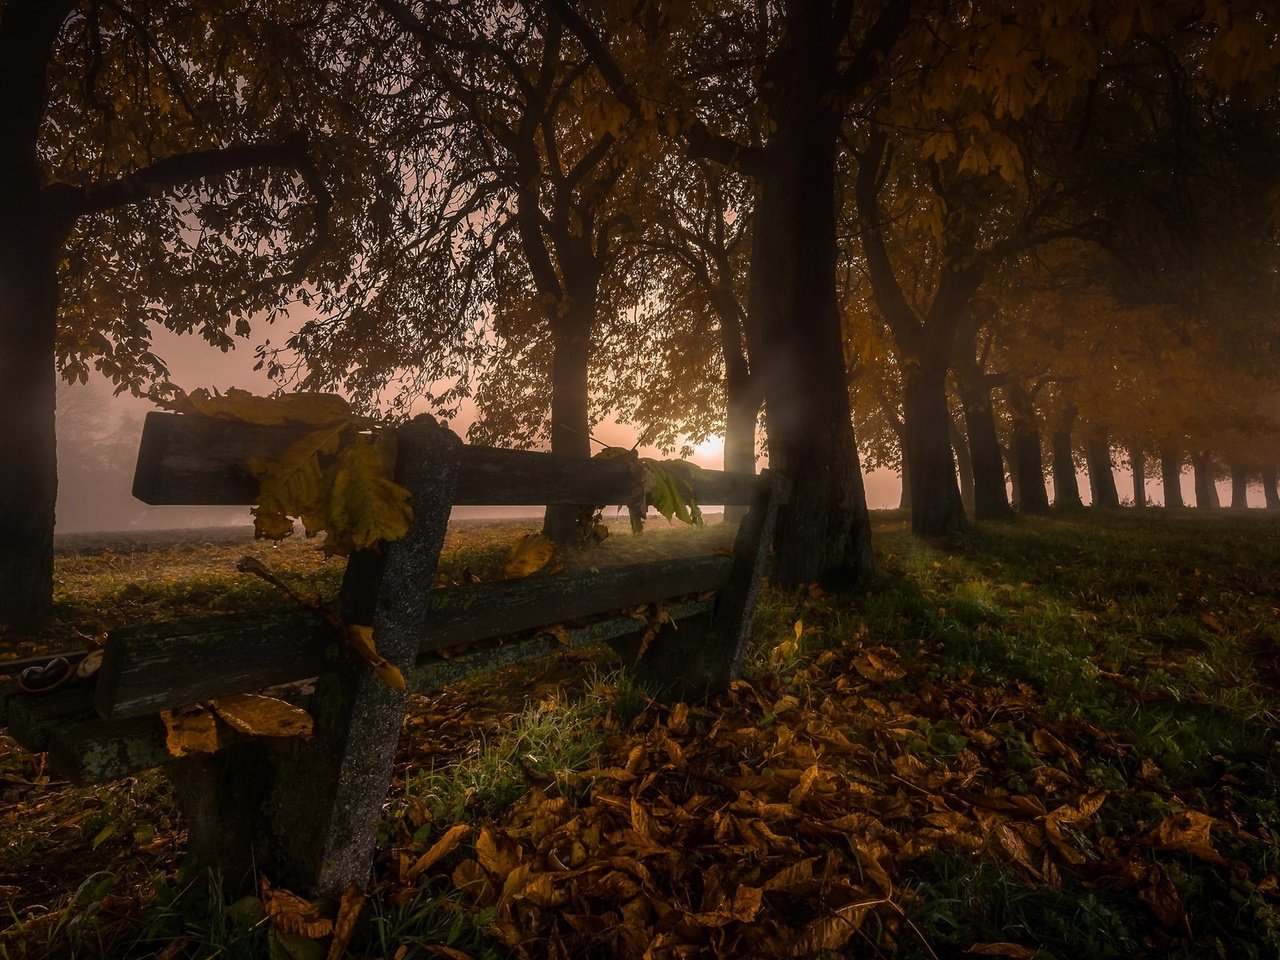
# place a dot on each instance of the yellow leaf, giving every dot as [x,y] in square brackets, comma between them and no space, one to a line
[244,407]
[360,639]
[365,505]
[190,730]
[1014,950]
[262,716]
[528,555]
[289,913]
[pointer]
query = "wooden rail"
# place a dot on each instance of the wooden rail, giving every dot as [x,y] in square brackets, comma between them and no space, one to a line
[197,460]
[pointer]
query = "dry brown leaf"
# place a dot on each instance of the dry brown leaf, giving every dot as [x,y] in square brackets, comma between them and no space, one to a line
[348,912]
[438,851]
[830,932]
[290,913]
[1166,903]
[877,669]
[440,950]
[746,903]
[1213,623]
[528,555]
[1014,950]
[263,716]
[189,730]
[1188,831]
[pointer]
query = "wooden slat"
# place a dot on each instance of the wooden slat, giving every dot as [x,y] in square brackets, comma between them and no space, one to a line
[149,669]
[195,460]
[34,716]
[466,614]
[99,750]
[431,673]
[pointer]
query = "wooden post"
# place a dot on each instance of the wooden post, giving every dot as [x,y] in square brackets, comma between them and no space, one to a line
[324,805]
[696,661]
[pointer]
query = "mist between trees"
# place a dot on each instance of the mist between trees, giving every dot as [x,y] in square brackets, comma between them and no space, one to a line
[997,242]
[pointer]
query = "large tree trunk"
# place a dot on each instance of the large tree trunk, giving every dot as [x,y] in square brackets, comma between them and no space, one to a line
[1206,488]
[1239,488]
[1066,488]
[904,476]
[1138,465]
[964,464]
[29,246]
[1269,490]
[823,530]
[1032,498]
[570,400]
[1102,482]
[936,508]
[1171,480]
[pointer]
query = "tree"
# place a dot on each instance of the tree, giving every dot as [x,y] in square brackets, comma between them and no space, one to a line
[813,61]
[136,141]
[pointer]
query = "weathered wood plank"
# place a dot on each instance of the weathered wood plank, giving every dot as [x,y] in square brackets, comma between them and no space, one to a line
[465,614]
[147,670]
[34,716]
[195,460]
[98,750]
[154,668]
[433,673]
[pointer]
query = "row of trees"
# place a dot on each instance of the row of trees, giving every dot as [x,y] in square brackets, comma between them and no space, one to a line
[679,213]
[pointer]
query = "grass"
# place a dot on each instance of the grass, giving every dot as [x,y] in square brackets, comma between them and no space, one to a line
[1132,657]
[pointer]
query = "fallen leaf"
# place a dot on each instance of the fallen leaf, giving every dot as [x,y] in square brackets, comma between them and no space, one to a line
[290,913]
[344,926]
[830,932]
[1188,831]
[189,730]
[528,555]
[1014,950]
[438,851]
[263,716]
[877,669]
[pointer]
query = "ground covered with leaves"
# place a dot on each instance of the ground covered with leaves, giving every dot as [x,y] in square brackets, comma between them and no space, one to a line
[1049,738]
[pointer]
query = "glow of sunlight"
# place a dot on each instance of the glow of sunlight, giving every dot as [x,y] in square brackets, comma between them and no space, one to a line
[709,453]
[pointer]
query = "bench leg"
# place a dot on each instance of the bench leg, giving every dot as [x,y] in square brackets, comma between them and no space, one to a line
[221,796]
[698,660]
[328,796]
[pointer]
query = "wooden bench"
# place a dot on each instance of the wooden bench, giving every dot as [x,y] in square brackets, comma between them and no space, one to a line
[307,811]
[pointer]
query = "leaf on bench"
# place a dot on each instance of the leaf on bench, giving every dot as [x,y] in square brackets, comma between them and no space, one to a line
[528,555]
[262,716]
[243,407]
[365,505]
[190,730]
[360,639]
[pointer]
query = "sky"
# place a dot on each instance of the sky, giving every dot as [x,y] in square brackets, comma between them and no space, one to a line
[98,440]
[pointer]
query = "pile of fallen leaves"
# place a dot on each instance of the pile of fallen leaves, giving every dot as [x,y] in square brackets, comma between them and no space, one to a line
[783,822]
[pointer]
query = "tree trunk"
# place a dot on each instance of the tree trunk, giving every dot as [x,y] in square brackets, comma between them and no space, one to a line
[1239,488]
[1032,498]
[964,465]
[29,248]
[1206,489]
[742,402]
[935,496]
[1102,482]
[904,498]
[1269,488]
[823,532]
[1066,488]
[1138,465]
[990,497]
[1171,480]
[570,400]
